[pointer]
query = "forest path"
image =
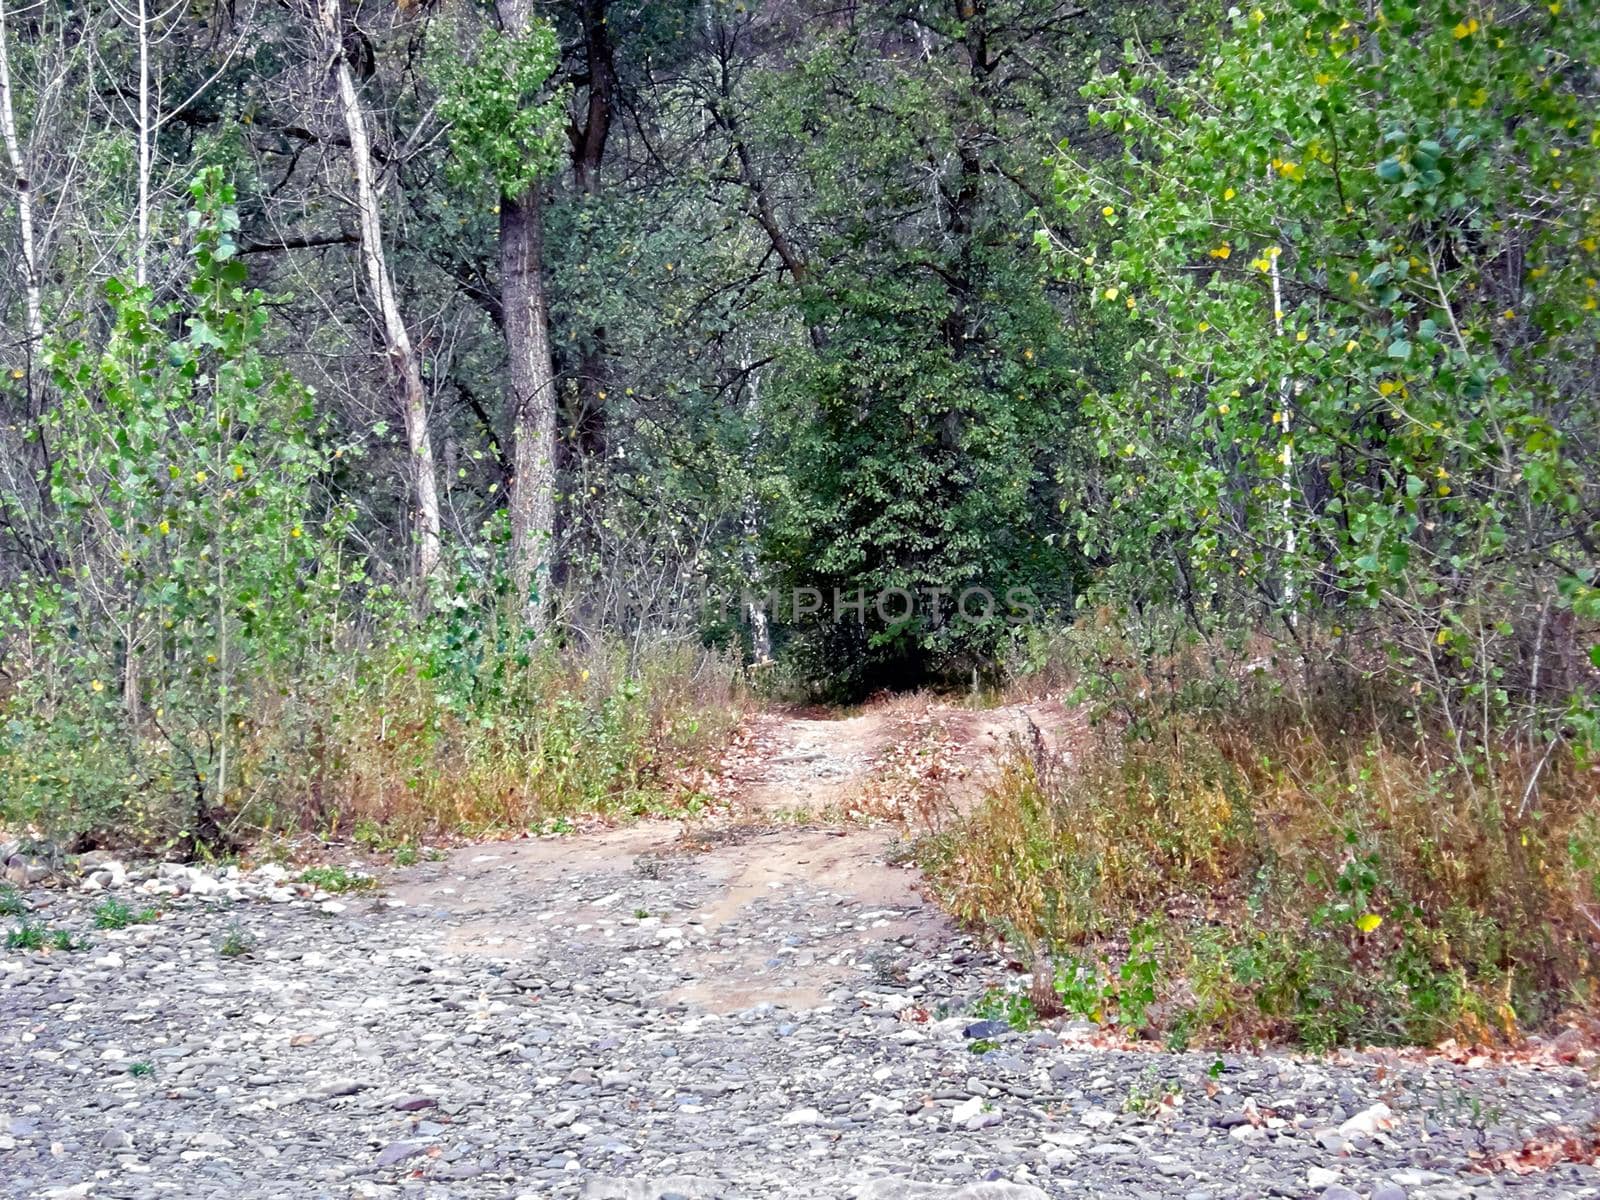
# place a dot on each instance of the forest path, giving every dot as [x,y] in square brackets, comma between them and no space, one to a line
[813,809]
[755,1004]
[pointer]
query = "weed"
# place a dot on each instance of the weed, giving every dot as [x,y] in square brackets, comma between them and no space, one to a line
[63,940]
[1281,872]
[982,1046]
[236,943]
[141,1070]
[1080,990]
[1150,1093]
[26,936]
[11,902]
[641,914]
[406,856]
[337,880]
[112,913]
[1014,1008]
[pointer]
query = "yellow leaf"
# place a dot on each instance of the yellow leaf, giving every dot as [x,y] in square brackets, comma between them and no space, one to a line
[1367,922]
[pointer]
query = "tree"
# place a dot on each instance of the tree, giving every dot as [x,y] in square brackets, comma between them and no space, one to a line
[1356,257]
[504,127]
[403,360]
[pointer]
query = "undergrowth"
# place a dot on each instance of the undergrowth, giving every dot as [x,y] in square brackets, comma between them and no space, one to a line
[1311,868]
[443,732]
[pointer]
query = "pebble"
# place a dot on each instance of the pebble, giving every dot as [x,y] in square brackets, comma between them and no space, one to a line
[378,1051]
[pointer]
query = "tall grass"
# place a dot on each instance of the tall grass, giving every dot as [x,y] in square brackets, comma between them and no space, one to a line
[410,735]
[1319,869]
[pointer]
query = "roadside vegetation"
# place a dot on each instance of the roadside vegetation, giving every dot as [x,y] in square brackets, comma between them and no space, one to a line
[450,419]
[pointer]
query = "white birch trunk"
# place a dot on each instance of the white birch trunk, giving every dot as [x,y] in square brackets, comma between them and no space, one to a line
[34,318]
[402,355]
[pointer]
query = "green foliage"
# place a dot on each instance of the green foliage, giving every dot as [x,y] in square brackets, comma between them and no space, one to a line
[1336,398]
[193,563]
[505,121]
[11,902]
[26,936]
[112,913]
[236,943]
[1002,1004]
[337,880]
[30,936]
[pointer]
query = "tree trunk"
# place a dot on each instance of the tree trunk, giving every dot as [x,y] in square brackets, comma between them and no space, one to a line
[146,135]
[402,356]
[531,382]
[531,379]
[760,630]
[34,328]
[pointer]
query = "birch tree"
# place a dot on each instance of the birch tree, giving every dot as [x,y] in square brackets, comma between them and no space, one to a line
[33,321]
[403,361]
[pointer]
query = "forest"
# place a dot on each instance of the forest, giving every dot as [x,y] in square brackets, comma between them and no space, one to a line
[432,416]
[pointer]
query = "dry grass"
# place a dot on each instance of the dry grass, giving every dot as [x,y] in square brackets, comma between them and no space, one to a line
[1316,878]
[562,737]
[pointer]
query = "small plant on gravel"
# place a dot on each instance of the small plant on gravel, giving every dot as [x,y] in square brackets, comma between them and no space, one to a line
[26,936]
[236,943]
[1150,1093]
[982,1046]
[435,854]
[62,939]
[888,966]
[141,1070]
[901,853]
[1014,1008]
[112,913]
[641,914]
[406,856]
[1080,989]
[368,833]
[337,879]
[11,902]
